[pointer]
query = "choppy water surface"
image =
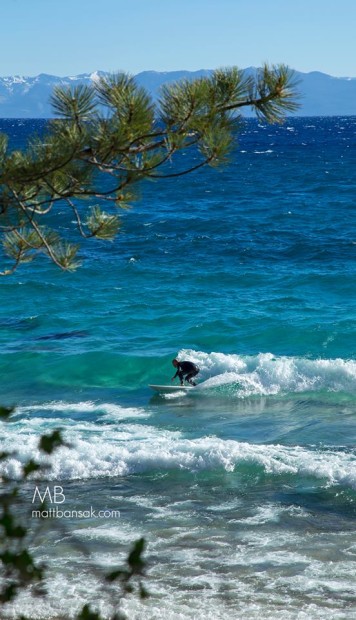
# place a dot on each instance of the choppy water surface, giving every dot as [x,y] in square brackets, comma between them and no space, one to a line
[244,489]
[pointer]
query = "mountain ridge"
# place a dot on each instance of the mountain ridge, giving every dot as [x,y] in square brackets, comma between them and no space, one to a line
[29,97]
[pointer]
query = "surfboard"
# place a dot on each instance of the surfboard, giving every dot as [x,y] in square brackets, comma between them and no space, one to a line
[166,389]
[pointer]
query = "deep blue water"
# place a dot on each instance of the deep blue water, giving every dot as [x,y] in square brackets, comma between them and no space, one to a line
[244,489]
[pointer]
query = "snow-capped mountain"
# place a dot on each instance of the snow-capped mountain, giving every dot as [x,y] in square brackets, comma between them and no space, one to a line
[29,97]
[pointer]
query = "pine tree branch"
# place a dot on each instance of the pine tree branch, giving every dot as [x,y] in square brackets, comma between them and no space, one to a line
[126,144]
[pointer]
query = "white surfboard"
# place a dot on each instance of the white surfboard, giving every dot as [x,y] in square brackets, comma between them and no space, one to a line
[166,389]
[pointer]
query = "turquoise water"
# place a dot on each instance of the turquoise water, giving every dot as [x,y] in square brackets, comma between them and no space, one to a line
[245,489]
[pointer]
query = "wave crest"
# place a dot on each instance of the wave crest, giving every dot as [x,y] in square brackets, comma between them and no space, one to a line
[266,374]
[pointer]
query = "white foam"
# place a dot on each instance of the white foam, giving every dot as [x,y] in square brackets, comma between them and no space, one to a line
[108,409]
[271,513]
[197,594]
[118,450]
[124,534]
[205,572]
[265,374]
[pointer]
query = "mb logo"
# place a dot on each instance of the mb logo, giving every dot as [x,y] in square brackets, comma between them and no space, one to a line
[56,497]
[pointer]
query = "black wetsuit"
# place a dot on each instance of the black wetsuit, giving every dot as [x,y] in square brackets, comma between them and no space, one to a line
[186,370]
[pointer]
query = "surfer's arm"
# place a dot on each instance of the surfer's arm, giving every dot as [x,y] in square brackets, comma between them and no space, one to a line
[177,373]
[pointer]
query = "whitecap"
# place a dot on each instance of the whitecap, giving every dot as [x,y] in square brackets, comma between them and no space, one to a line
[266,374]
[133,448]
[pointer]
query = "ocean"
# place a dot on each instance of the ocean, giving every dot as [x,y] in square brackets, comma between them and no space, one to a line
[245,488]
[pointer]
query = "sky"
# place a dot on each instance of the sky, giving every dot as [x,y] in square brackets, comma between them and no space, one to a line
[69,37]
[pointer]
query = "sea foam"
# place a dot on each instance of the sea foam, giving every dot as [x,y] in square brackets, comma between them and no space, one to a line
[265,373]
[110,451]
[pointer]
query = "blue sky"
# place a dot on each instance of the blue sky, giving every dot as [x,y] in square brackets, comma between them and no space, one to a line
[68,37]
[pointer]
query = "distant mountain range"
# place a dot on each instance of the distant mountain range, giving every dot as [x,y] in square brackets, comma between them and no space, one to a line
[28,97]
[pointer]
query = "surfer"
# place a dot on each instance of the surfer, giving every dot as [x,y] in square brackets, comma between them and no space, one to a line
[185,371]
